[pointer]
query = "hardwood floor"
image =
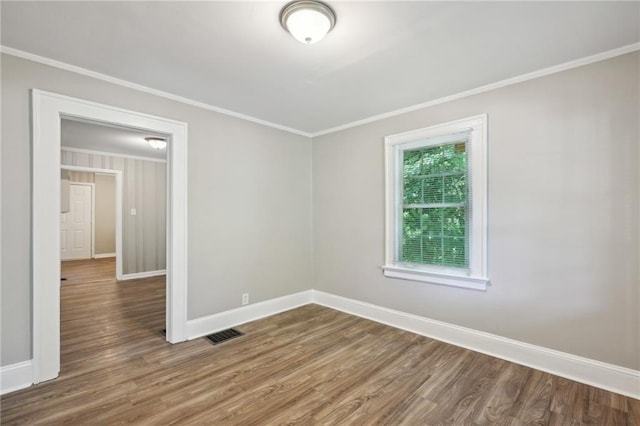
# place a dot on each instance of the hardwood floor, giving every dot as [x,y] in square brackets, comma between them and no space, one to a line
[310,365]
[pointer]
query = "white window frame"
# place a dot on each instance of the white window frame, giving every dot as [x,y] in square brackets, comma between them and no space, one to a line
[476,276]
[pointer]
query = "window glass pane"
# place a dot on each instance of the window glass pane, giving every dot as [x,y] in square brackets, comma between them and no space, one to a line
[435,232]
[454,157]
[411,236]
[435,236]
[412,190]
[432,222]
[412,163]
[453,221]
[432,189]
[454,237]
[432,249]
[455,188]
[412,179]
[431,160]
[454,252]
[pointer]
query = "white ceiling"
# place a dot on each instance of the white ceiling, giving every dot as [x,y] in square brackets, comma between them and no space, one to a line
[380,57]
[112,139]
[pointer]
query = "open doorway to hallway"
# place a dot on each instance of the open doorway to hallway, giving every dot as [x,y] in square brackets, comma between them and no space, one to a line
[112,236]
[129,219]
[48,110]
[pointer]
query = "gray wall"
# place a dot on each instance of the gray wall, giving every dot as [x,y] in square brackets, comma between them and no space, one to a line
[563,206]
[249,200]
[105,228]
[563,214]
[143,189]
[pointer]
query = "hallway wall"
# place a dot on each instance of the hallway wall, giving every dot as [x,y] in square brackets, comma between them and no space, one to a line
[143,189]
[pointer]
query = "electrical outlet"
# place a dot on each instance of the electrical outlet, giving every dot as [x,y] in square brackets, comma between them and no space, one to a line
[245,299]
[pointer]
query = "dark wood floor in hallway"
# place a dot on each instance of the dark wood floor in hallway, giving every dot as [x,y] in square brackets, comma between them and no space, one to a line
[310,365]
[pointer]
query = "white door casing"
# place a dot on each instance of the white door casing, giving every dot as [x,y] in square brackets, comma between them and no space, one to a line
[47,111]
[76,226]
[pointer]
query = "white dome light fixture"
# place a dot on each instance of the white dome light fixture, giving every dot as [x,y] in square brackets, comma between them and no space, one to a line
[157,143]
[308,21]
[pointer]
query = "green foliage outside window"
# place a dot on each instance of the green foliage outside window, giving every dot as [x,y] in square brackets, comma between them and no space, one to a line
[434,216]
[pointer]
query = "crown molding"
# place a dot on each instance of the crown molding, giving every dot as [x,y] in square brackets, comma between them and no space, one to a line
[135,86]
[493,86]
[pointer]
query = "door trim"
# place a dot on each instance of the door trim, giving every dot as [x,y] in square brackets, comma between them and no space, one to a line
[47,111]
[117,174]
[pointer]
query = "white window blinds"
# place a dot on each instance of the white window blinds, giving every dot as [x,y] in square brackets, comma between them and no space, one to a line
[435,202]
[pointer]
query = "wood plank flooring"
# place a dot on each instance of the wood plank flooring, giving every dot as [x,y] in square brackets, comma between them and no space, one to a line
[308,366]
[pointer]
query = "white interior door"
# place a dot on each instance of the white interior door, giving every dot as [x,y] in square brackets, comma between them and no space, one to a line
[76,225]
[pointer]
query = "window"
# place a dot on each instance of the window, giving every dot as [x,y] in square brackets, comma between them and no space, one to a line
[436,204]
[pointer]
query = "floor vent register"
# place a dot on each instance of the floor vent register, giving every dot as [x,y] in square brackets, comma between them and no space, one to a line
[223,336]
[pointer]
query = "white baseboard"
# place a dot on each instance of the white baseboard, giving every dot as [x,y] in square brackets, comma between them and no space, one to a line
[137,275]
[610,377]
[103,255]
[16,376]
[210,324]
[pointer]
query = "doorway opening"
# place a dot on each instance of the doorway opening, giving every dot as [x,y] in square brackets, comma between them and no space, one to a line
[134,231]
[110,245]
[48,110]
[106,294]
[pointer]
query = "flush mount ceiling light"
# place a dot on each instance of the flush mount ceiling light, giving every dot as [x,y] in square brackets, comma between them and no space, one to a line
[308,21]
[157,143]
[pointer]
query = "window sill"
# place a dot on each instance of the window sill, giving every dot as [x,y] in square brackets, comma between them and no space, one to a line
[453,280]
